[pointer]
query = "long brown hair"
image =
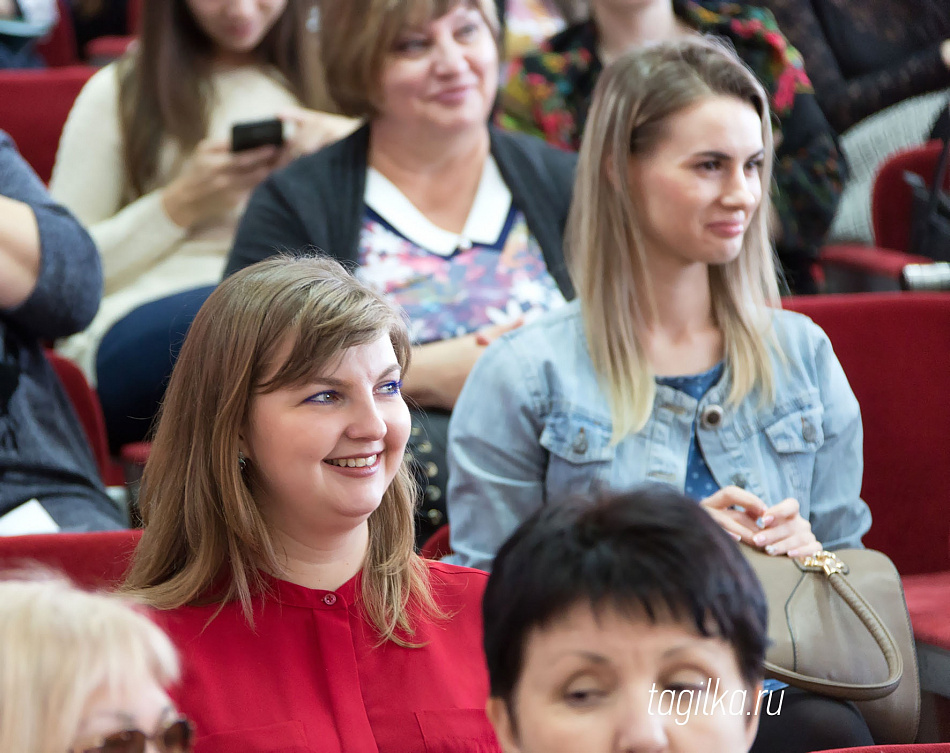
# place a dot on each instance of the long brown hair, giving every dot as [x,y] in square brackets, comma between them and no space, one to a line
[164,84]
[206,539]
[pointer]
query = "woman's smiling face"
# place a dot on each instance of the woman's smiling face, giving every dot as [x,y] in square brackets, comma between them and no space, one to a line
[322,453]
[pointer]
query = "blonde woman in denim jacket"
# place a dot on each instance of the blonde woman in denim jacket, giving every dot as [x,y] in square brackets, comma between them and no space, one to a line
[676,364]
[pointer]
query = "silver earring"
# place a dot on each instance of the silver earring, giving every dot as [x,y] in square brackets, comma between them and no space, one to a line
[242,461]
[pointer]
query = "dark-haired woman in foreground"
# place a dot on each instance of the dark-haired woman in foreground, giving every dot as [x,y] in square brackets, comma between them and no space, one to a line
[633,624]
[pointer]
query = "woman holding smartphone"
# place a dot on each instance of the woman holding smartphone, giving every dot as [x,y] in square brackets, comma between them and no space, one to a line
[145,162]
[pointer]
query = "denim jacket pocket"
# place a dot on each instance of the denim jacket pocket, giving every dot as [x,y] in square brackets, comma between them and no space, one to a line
[797,432]
[795,438]
[579,450]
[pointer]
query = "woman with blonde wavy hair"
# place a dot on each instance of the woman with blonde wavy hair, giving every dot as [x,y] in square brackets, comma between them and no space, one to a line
[278,539]
[83,672]
[676,364]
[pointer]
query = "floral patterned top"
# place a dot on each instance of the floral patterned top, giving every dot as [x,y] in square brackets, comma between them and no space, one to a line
[548,94]
[450,284]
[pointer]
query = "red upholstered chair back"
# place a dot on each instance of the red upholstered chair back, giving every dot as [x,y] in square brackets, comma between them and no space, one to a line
[891,198]
[59,48]
[92,560]
[89,412]
[33,108]
[895,350]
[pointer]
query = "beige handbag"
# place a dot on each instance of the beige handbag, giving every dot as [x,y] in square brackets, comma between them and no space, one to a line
[838,626]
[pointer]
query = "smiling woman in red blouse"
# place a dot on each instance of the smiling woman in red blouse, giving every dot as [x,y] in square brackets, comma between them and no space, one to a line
[278,536]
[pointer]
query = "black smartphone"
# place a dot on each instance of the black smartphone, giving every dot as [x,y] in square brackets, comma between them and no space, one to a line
[257,133]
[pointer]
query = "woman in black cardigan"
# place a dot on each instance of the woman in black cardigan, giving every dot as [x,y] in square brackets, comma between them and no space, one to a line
[460,224]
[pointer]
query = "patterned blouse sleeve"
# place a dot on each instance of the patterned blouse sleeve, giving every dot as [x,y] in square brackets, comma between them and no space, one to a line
[529,101]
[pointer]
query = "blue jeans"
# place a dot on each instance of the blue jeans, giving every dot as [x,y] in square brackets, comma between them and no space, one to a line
[135,360]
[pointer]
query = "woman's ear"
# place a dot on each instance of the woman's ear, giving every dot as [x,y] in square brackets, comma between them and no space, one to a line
[497,711]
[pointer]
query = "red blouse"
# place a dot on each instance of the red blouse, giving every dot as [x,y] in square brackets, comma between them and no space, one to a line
[312,677]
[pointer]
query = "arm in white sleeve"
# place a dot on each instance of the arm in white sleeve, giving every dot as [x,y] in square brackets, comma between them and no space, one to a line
[89,178]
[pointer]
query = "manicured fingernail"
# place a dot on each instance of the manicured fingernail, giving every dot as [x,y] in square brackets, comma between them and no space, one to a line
[759,538]
[735,536]
[770,549]
[767,520]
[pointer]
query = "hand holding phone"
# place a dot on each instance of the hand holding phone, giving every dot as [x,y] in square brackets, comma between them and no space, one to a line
[252,134]
[214,180]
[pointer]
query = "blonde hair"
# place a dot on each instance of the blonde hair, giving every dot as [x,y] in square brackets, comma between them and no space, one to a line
[357,35]
[633,101]
[206,539]
[58,647]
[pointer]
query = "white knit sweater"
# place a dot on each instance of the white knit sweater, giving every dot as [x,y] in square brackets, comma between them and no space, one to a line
[146,256]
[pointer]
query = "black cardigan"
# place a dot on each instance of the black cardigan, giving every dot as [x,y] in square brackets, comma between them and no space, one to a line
[316,202]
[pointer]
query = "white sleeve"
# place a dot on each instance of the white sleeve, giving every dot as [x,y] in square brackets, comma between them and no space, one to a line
[89,178]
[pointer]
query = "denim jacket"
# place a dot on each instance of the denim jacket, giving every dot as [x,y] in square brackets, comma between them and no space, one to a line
[533,425]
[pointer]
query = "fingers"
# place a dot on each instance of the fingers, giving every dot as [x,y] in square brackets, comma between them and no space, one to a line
[488,335]
[734,497]
[253,159]
[736,524]
[213,146]
[789,533]
[784,510]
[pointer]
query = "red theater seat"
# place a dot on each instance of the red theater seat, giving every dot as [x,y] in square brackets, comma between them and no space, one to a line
[92,560]
[33,108]
[891,203]
[85,402]
[59,48]
[850,267]
[895,350]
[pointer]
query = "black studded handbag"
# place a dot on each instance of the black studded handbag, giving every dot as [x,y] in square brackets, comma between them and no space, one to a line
[428,445]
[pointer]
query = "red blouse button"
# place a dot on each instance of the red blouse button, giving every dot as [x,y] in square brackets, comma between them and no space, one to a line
[329,600]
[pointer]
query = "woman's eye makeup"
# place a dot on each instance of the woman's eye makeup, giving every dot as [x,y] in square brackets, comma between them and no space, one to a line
[393,387]
[324,398]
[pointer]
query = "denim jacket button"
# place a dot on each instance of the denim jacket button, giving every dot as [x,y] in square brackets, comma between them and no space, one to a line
[739,480]
[580,442]
[711,417]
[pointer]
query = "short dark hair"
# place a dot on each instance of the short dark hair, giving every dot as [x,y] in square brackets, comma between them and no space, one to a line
[652,550]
